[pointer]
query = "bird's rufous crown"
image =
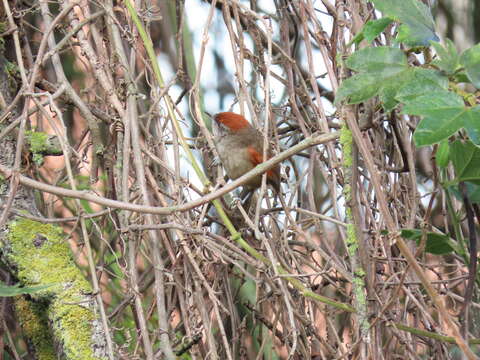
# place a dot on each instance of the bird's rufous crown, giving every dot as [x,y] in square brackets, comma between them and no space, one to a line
[232,120]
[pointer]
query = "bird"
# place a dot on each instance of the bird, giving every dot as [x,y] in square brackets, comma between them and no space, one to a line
[240,148]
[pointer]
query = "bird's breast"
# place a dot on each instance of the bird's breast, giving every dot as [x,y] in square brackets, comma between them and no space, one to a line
[235,159]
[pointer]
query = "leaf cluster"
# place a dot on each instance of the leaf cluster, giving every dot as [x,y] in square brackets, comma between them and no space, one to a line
[430,88]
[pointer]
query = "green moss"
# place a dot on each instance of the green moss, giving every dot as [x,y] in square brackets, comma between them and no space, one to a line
[34,323]
[99,149]
[73,324]
[38,159]
[37,140]
[42,257]
[360,272]
[38,144]
[3,185]
[347,192]
[359,290]
[37,249]
[352,243]
[3,28]
[42,144]
[11,68]
[346,140]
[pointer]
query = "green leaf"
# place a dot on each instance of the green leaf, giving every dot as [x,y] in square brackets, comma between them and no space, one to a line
[371,30]
[411,234]
[473,192]
[7,291]
[404,35]
[248,292]
[465,157]
[357,88]
[437,244]
[422,81]
[381,60]
[442,154]
[409,84]
[470,59]
[444,114]
[416,16]
[449,60]
[389,91]
[377,67]
[472,125]
[461,77]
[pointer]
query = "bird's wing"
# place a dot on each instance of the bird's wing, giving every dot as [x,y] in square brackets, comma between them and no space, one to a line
[255,156]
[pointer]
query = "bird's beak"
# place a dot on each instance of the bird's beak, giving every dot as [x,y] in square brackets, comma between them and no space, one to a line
[208,114]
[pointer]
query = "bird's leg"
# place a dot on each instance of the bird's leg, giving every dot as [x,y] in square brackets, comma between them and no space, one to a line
[246,196]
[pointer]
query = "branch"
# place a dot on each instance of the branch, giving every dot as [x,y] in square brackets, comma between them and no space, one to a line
[167,210]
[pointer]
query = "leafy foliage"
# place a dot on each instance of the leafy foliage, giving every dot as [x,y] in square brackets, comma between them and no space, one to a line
[426,88]
[437,244]
[443,114]
[384,71]
[448,60]
[470,59]
[378,68]
[425,92]
[418,25]
[372,29]
[465,158]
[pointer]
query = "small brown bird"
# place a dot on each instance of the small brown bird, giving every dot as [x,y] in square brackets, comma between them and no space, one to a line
[240,147]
